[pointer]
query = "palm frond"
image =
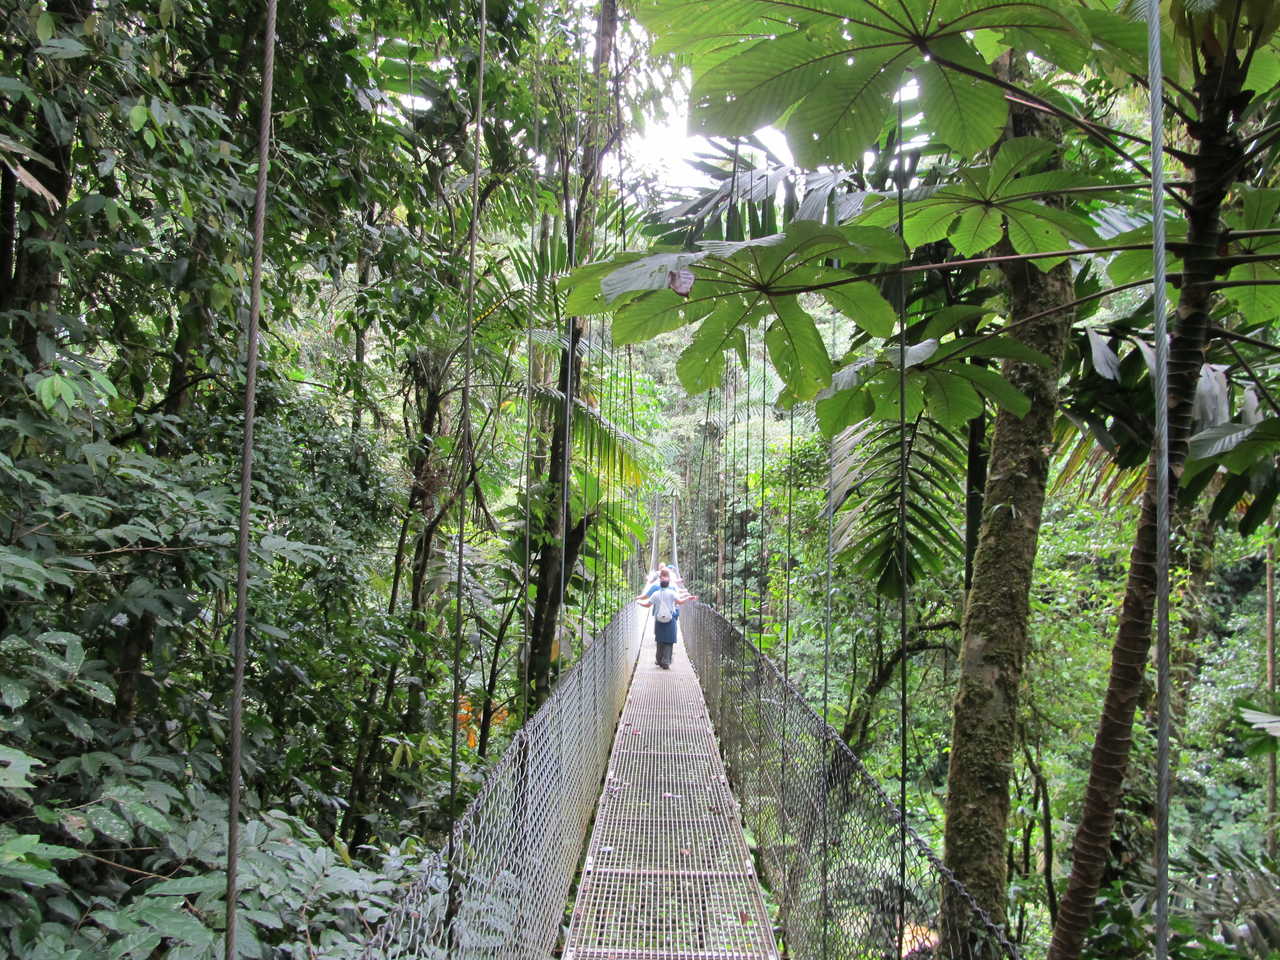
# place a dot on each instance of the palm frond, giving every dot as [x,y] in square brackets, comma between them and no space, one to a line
[1231,895]
[867,485]
[1089,463]
[598,442]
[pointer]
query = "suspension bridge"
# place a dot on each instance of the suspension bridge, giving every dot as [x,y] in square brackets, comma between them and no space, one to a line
[701,812]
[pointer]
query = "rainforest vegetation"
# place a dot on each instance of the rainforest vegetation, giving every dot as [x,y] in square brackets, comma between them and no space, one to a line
[496,350]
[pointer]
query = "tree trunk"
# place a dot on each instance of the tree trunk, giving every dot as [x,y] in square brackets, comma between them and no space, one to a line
[491,683]
[547,598]
[33,292]
[994,627]
[136,641]
[9,211]
[1213,171]
[975,481]
[556,548]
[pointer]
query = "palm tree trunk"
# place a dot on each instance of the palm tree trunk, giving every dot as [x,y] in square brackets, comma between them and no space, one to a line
[1213,171]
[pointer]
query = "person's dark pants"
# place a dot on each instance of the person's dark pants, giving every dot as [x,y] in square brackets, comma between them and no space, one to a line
[664,635]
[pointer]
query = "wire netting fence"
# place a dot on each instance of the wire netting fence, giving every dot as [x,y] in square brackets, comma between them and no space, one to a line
[830,841]
[498,890]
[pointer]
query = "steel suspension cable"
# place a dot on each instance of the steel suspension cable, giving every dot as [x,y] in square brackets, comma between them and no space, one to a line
[763,579]
[240,653]
[465,401]
[622,246]
[826,662]
[1155,87]
[615,483]
[697,491]
[786,628]
[593,451]
[631,412]
[745,551]
[901,297]
[675,556]
[731,501]
[730,215]
[571,357]
[722,470]
[653,548]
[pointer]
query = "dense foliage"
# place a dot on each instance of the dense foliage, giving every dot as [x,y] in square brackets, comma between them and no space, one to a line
[127,132]
[416,500]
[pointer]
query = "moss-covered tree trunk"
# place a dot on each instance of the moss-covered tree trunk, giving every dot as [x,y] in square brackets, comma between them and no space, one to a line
[994,627]
[1213,170]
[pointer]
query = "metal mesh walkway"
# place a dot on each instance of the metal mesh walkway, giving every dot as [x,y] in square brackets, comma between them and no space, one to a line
[668,873]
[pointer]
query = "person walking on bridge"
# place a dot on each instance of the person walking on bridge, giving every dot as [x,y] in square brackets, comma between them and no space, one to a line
[665,601]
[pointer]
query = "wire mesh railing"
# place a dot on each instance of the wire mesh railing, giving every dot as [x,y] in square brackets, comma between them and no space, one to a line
[498,890]
[850,879]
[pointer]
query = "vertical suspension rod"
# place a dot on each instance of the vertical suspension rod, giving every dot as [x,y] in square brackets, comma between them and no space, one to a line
[1155,86]
[240,653]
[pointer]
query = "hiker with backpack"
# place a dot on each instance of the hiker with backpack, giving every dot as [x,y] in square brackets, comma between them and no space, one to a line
[665,601]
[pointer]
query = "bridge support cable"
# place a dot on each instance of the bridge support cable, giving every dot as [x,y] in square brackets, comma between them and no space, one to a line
[244,532]
[1160,313]
[498,889]
[855,890]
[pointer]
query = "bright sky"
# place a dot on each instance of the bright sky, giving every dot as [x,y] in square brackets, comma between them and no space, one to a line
[665,148]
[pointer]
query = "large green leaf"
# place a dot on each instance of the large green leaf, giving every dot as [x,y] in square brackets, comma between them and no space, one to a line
[979,228]
[735,285]
[647,273]
[951,400]
[756,86]
[584,296]
[843,114]
[647,316]
[701,364]
[827,70]
[964,111]
[863,304]
[797,350]
[974,211]
[1259,302]
[994,386]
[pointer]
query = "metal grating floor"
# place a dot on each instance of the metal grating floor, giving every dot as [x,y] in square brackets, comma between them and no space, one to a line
[668,874]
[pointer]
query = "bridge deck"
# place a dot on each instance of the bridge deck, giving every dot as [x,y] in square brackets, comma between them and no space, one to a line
[668,873]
